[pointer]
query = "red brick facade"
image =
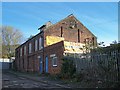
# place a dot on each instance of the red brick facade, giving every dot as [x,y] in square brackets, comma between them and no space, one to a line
[63,28]
[36,61]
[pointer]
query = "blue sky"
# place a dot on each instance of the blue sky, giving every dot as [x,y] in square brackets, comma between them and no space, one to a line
[100,18]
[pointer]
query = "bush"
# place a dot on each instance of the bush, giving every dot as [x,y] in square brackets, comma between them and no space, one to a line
[79,77]
[68,69]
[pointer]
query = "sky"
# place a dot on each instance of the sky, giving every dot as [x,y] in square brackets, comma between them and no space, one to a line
[60,0]
[101,18]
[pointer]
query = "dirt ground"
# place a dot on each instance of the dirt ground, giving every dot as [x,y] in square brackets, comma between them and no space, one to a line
[12,79]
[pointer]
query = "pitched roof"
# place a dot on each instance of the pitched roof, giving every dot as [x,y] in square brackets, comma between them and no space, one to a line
[68,17]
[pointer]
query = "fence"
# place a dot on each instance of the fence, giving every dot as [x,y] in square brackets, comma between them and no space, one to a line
[6,63]
[102,63]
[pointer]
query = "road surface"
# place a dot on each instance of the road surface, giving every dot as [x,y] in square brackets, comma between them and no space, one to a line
[10,80]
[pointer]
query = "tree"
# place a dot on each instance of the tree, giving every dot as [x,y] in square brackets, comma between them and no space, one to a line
[88,45]
[11,38]
[114,42]
[118,41]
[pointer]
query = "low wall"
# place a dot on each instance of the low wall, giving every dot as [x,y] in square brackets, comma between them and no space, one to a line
[5,64]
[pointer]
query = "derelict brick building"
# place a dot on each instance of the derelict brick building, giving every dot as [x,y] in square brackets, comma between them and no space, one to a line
[43,52]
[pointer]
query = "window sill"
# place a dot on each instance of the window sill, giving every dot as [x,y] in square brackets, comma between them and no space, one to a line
[54,65]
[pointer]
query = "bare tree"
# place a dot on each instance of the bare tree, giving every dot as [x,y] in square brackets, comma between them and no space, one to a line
[11,38]
[88,45]
[114,42]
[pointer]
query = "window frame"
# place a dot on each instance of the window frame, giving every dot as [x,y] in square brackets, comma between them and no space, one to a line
[36,45]
[40,43]
[30,48]
[24,50]
[21,51]
[54,61]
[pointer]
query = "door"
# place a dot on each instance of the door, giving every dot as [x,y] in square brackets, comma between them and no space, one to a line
[41,66]
[46,64]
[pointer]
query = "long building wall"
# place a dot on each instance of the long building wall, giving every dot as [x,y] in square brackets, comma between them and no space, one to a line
[28,59]
[31,62]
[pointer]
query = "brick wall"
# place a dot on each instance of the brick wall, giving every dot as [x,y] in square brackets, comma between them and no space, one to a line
[31,62]
[58,50]
[70,34]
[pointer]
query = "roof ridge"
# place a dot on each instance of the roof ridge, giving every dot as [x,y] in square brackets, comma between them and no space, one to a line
[62,20]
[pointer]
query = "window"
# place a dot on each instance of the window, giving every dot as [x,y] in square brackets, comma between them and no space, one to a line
[21,52]
[73,24]
[24,50]
[54,61]
[30,47]
[36,45]
[61,31]
[40,43]
[93,40]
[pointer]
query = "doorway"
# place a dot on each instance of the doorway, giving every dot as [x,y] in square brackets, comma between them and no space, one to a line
[41,66]
[46,64]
